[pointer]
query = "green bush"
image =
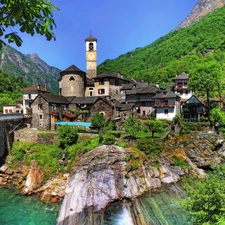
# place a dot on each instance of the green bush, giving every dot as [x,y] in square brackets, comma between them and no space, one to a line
[150,147]
[67,135]
[109,139]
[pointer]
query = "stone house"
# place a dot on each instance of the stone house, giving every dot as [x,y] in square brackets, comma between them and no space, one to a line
[88,106]
[123,111]
[193,109]
[47,109]
[167,105]
[181,86]
[29,94]
[110,84]
[141,95]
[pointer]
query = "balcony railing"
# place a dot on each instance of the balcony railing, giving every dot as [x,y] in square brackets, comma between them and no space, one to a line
[164,105]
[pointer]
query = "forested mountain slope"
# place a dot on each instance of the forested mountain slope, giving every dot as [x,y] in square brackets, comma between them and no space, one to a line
[177,52]
[30,67]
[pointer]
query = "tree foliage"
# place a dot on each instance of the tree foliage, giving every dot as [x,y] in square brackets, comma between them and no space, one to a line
[205,199]
[217,117]
[10,89]
[67,135]
[154,126]
[206,78]
[132,126]
[34,16]
[98,121]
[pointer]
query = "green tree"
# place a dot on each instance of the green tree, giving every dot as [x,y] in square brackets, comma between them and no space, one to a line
[217,118]
[32,17]
[132,126]
[205,199]
[154,126]
[67,135]
[206,78]
[98,121]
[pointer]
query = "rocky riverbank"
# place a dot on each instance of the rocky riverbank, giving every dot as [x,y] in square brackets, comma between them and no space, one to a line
[107,174]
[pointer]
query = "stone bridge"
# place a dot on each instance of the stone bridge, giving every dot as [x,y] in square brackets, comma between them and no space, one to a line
[8,124]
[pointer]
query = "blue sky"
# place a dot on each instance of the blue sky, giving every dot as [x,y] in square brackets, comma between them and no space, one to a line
[119,25]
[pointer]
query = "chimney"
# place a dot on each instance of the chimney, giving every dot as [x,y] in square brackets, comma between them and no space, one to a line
[157,84]
[38,86]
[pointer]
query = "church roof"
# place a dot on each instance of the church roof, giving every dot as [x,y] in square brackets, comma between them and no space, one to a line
[90,38]
[71,69]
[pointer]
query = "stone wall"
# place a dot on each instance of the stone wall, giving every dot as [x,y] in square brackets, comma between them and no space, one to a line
[27,135]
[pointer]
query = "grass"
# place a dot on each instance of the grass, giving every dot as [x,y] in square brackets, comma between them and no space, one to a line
[48,156]
[142,134]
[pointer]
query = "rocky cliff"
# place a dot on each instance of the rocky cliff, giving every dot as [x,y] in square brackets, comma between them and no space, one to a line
[201,9]
[105,175]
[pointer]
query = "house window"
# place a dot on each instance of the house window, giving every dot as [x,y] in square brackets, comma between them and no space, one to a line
[116,82]
[40,107]
[90,93]
[101,91]
[117,92]
[53,107]
[72,79]
[6,111]
[162,100]
[40,117]
[101,82]
[166,111]
[10,111]
[186,92]
[29,96]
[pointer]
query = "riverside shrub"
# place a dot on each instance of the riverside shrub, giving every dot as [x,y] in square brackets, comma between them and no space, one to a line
[149,146]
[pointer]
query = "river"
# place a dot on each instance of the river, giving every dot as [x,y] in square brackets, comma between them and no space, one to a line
[156,209]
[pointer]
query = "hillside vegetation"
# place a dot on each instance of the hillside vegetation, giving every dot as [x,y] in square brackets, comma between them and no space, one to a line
[10,89]
[177,52]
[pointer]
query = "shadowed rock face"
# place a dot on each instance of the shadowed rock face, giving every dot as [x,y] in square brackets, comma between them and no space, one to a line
[201,9]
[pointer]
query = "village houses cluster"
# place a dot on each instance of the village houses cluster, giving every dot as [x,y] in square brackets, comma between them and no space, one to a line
[81,95]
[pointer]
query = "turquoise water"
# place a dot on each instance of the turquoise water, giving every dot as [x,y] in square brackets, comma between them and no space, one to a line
[156,209]
[22,210]
[83,124]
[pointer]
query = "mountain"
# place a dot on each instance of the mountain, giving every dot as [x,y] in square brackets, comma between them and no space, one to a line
[201,9]
[30,67]
[179,51]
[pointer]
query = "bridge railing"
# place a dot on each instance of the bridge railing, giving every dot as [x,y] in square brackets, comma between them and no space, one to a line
[11,116]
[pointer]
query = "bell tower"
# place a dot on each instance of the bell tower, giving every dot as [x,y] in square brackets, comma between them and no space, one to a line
[91,56]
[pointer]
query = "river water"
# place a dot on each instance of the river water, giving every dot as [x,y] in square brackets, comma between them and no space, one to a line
[156,209]
[22,210]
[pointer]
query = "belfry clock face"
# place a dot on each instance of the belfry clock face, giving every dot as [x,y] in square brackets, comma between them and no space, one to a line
[91,56]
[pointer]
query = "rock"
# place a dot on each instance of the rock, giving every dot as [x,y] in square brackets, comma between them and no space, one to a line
[3,169]
[101,176]
[34,178]
[54,200]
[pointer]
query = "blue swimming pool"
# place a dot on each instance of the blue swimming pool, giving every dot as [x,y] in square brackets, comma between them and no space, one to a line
[83,124]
